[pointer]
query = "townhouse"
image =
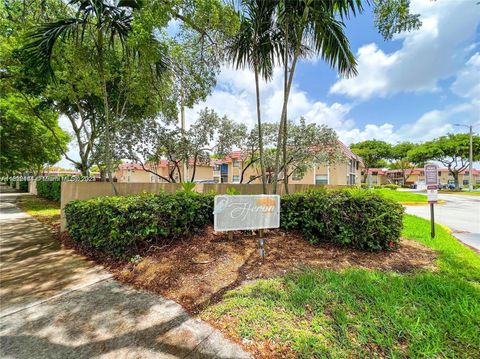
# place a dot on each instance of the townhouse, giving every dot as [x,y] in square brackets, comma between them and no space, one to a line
[229,170]
[416,176]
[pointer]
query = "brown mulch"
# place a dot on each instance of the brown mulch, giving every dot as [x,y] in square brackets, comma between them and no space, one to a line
[196,272]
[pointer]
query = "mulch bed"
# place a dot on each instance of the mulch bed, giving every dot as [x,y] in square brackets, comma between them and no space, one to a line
[197,271]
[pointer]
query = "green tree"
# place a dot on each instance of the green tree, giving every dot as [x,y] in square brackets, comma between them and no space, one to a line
[311,28]
[373,153]
[254,47]
[451,150]
[401,159]
[25,143]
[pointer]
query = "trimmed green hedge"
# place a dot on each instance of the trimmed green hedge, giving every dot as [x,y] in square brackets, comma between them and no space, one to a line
[120,224]
[23,186]
[355,218]
[49,189]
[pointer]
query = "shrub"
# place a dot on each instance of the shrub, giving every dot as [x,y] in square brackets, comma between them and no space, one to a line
[354,218]
[49,189]
[120,224]
[23,186]
[391,186]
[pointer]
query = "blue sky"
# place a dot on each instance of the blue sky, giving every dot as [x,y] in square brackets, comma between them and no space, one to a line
[413,88]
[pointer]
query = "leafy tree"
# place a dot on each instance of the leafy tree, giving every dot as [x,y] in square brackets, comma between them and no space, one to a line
[399,154]
[153,141]
[373,153]
[25,144]
[393,16]
[452,151]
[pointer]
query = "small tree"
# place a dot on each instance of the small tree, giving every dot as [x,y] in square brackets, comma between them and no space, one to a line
[452,151]
[373,152]
[402,161]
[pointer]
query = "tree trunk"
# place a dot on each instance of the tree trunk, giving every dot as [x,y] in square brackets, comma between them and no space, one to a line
[108,154]
[457,182]
[260,132]
[283,119]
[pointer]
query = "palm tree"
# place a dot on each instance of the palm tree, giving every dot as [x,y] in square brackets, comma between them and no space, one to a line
[255,47]
[105,25]
[311,27]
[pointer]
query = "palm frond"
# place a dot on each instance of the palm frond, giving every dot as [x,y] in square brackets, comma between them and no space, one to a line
[42,41]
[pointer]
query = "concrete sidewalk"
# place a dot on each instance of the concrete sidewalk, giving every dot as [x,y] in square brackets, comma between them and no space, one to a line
[55,304]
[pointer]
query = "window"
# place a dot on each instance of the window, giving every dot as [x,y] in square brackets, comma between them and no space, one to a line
[351,179]
[236,179]
[235,163]
[216,167]
[439,173]
[321,179]
[466,173]
[465,181]
[297,176]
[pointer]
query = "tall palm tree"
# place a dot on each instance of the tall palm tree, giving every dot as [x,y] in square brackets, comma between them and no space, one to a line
[255,47]
[106,25]
[311,27]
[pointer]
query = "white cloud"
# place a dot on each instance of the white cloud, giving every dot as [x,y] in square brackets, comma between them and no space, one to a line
[427,55]
[467,83]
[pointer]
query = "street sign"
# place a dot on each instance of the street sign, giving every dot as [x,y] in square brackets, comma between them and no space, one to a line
[242,212]
[431,180]
[431,176]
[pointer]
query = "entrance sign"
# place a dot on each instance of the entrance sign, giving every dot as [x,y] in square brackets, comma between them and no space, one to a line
[242,212]
[431,180]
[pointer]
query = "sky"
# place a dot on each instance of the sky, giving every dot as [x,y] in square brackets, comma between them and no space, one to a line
[412,88]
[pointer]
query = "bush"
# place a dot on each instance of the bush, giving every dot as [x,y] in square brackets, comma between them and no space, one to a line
[23,186]
[391,186]
[354,218]
[49,189]
[120,224]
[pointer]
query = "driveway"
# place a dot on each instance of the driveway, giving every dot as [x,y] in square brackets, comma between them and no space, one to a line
[460,212]
[56,304]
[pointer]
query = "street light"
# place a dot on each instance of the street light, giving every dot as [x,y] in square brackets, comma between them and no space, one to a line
[470,159]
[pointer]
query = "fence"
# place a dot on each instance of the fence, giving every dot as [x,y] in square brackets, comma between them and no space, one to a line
[85,190]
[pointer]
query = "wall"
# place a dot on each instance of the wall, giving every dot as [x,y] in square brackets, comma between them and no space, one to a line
[32,187]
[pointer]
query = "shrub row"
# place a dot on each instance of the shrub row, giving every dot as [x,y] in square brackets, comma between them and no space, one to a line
[120,224]
[354,218]
[23,186]
[49,189]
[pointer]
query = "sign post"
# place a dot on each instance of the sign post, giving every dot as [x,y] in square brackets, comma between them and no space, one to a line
[431,180]
[247,212]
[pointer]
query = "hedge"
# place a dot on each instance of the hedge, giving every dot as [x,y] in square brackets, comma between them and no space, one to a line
[49,189]
[355,218]
[119,224]
[23,186]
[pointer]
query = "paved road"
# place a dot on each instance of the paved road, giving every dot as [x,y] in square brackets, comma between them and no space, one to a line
[55,304]
[460,212]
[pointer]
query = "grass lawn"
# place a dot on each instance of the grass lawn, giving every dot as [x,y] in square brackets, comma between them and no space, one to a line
[44,210]
[402,197]
[462,193]
[359,312]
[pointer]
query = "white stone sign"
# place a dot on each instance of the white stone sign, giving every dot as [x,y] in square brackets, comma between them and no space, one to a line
[242,212]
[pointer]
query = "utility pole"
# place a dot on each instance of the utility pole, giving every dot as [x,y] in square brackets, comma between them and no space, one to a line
[470,167]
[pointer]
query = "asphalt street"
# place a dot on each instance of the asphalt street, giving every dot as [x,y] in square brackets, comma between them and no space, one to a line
[460,212]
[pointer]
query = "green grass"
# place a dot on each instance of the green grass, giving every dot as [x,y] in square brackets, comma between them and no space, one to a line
[42,209]
[359,313]
[401,196]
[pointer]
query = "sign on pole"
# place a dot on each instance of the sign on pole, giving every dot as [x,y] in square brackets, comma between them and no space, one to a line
[431,180]
[242,212]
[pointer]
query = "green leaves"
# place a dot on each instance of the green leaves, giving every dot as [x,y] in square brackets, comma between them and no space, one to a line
[358,219]
[119,225]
